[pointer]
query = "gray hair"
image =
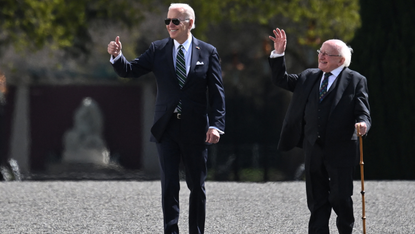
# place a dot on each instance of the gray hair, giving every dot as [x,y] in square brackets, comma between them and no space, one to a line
[188,11]
[344,50]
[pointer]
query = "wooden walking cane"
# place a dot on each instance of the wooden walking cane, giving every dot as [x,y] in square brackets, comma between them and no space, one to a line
[362,179]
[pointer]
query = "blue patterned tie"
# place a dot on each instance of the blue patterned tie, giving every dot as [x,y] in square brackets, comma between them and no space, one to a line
[323,88]
[180,72]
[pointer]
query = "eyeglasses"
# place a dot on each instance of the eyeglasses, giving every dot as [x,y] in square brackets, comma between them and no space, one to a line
[175,21]
[325,54]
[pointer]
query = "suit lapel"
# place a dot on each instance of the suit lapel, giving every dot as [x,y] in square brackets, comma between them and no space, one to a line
[343,82]
[193,60]
[309,83]
[169,51]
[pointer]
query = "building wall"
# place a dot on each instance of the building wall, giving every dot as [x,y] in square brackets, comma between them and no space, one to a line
[50,113]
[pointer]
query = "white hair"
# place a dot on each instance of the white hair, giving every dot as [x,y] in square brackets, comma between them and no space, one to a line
[188,11]
[344,50]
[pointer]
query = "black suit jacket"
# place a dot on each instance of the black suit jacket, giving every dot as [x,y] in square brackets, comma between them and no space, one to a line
[350,104]
[203,97]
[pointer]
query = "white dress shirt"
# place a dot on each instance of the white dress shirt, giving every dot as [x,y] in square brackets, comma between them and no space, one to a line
[334,74]
[187,52]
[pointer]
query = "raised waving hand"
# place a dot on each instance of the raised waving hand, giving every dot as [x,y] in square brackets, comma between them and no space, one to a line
[280,40]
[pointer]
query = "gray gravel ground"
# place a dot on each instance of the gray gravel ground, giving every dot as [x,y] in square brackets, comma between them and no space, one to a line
[134,207]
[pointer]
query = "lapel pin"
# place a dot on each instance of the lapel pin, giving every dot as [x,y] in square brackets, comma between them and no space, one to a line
[197,47]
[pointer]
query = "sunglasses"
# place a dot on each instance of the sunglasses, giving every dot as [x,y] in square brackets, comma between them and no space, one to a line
[175,21]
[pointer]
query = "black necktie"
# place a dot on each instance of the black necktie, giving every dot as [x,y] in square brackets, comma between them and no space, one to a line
[323,88]
[180,72]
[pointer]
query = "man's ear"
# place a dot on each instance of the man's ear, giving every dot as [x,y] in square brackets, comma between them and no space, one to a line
[191,21]
[342,61]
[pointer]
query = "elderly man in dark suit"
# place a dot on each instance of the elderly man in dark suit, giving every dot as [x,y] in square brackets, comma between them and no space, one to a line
[189,112]
[327,106]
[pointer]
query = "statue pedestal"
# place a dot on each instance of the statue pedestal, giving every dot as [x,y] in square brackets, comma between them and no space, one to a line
[87,156]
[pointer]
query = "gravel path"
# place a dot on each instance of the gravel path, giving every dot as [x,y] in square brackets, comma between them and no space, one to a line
[134,207]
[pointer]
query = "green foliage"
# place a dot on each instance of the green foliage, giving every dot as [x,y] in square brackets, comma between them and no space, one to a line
[384,52]
[314,21]
[28,24]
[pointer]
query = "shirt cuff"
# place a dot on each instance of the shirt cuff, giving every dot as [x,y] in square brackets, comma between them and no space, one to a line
[220,131]
[276,55]
[113,60]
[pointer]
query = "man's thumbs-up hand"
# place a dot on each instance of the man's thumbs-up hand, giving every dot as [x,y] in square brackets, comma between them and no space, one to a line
[114,47]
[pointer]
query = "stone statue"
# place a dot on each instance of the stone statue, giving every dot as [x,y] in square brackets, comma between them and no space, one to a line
[84,143]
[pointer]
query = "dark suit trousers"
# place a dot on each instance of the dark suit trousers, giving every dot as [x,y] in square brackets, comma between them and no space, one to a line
[329,186]
[172,150]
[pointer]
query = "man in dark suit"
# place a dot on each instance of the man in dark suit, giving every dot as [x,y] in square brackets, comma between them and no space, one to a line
[189,112]
[327,106]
